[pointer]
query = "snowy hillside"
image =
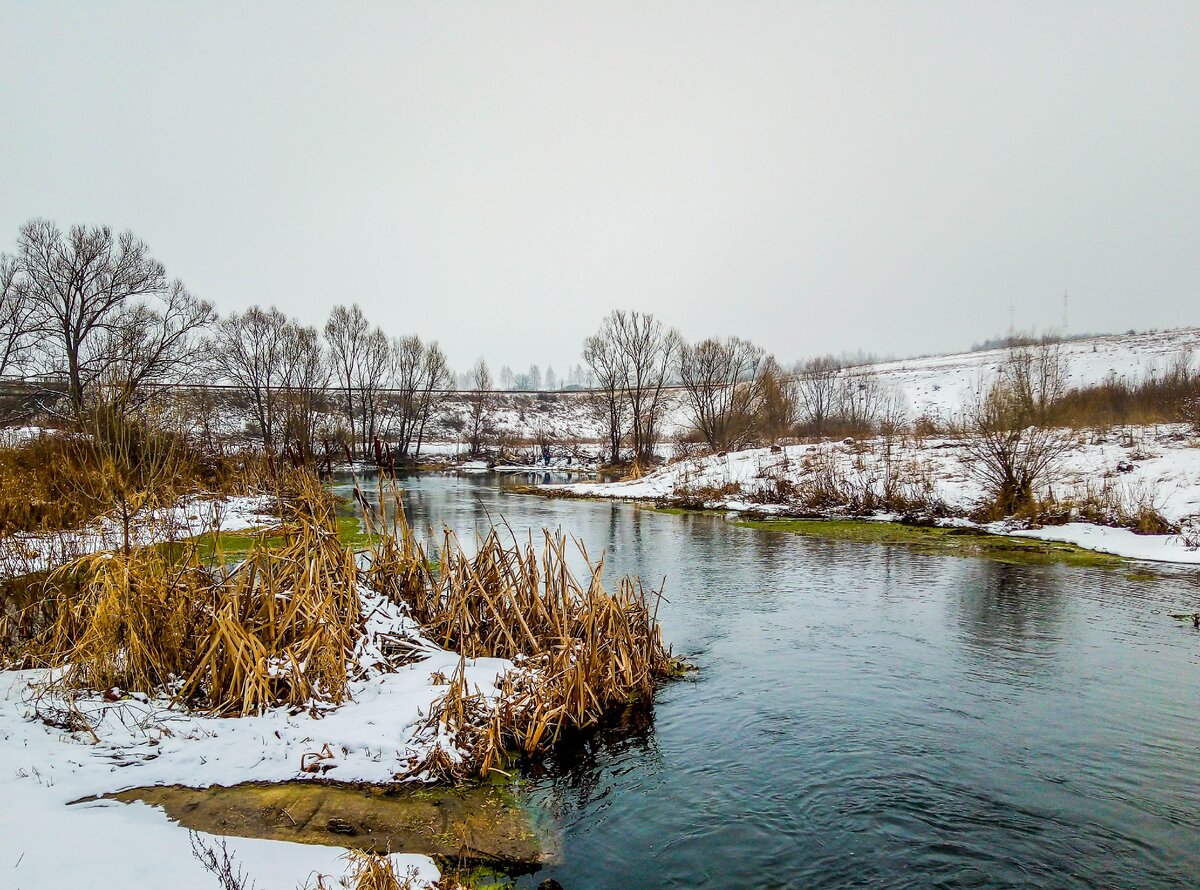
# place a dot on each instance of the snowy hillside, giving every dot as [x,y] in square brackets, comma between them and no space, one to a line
[939,385]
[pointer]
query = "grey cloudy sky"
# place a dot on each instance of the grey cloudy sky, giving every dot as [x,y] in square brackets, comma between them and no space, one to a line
[498,176]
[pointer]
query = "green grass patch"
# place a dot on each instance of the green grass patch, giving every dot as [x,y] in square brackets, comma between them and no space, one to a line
[942,541]
[235,545]
[683,511]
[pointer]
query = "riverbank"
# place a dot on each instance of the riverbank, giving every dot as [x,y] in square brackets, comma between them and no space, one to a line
[942,540]
[520,665]
[1106,493]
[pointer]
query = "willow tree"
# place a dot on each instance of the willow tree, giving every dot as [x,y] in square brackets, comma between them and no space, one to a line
[720,380]
[105,309]
[639,353]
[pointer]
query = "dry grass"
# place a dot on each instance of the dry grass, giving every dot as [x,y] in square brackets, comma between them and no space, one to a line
[1110,501]
[368,871]
[581,650]
[1166,395]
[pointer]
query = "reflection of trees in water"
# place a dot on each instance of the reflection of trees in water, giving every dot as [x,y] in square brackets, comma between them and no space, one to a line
[1009,612]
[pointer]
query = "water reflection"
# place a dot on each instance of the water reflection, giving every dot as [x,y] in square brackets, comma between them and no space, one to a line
[1013,616]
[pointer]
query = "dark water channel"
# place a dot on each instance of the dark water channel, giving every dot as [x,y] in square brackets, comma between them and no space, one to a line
[872,716]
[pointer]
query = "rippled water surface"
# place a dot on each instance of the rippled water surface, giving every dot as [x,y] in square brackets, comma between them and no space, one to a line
[870,716]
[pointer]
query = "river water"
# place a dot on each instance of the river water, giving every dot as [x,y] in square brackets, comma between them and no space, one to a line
[872,716]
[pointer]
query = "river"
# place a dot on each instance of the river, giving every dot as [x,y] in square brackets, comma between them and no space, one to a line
[869,715]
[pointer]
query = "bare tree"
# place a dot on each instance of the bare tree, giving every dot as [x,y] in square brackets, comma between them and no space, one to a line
[407,354]
[720,380]
[645,355]
[306,373]
[419,374]
[603,358]
[1007,427]
[435,377]
[373,368]
[148,345]
[631,358]
[479,400]
[87,285]
[345,332]
[817,384]
[250,351]
[16,323]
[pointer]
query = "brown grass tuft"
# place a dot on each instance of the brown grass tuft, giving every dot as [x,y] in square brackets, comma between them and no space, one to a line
[279,628]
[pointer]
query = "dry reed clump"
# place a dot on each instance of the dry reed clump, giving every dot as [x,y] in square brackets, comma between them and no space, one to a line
[1109,501]
[126,619]
[277,629]
[370,871]
[580,650]
[285,622]
[871,478]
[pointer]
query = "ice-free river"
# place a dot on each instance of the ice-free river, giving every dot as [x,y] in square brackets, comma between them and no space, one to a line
[873,716]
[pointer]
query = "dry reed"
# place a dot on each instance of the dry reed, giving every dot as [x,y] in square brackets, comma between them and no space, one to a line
[280,628]
[369,871]
[580,650]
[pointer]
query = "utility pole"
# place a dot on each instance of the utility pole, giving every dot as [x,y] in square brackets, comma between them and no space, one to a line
[1064,324]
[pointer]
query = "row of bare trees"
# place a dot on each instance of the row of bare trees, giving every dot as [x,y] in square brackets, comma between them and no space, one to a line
[387,389]
[95,310]
[732,391]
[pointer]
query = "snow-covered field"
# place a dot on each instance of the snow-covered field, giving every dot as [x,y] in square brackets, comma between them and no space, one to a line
[1153,467]
[45,842]
[940,385]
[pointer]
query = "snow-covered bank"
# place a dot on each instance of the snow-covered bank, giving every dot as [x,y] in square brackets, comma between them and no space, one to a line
[46,843]
[21,554]
[1117,541]
[1121,473]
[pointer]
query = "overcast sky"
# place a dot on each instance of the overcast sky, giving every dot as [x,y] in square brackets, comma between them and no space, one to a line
[816,177]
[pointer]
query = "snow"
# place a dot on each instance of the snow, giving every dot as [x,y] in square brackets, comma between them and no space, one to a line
[1117,541]
[46,843]
[21,554]
[14,436]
